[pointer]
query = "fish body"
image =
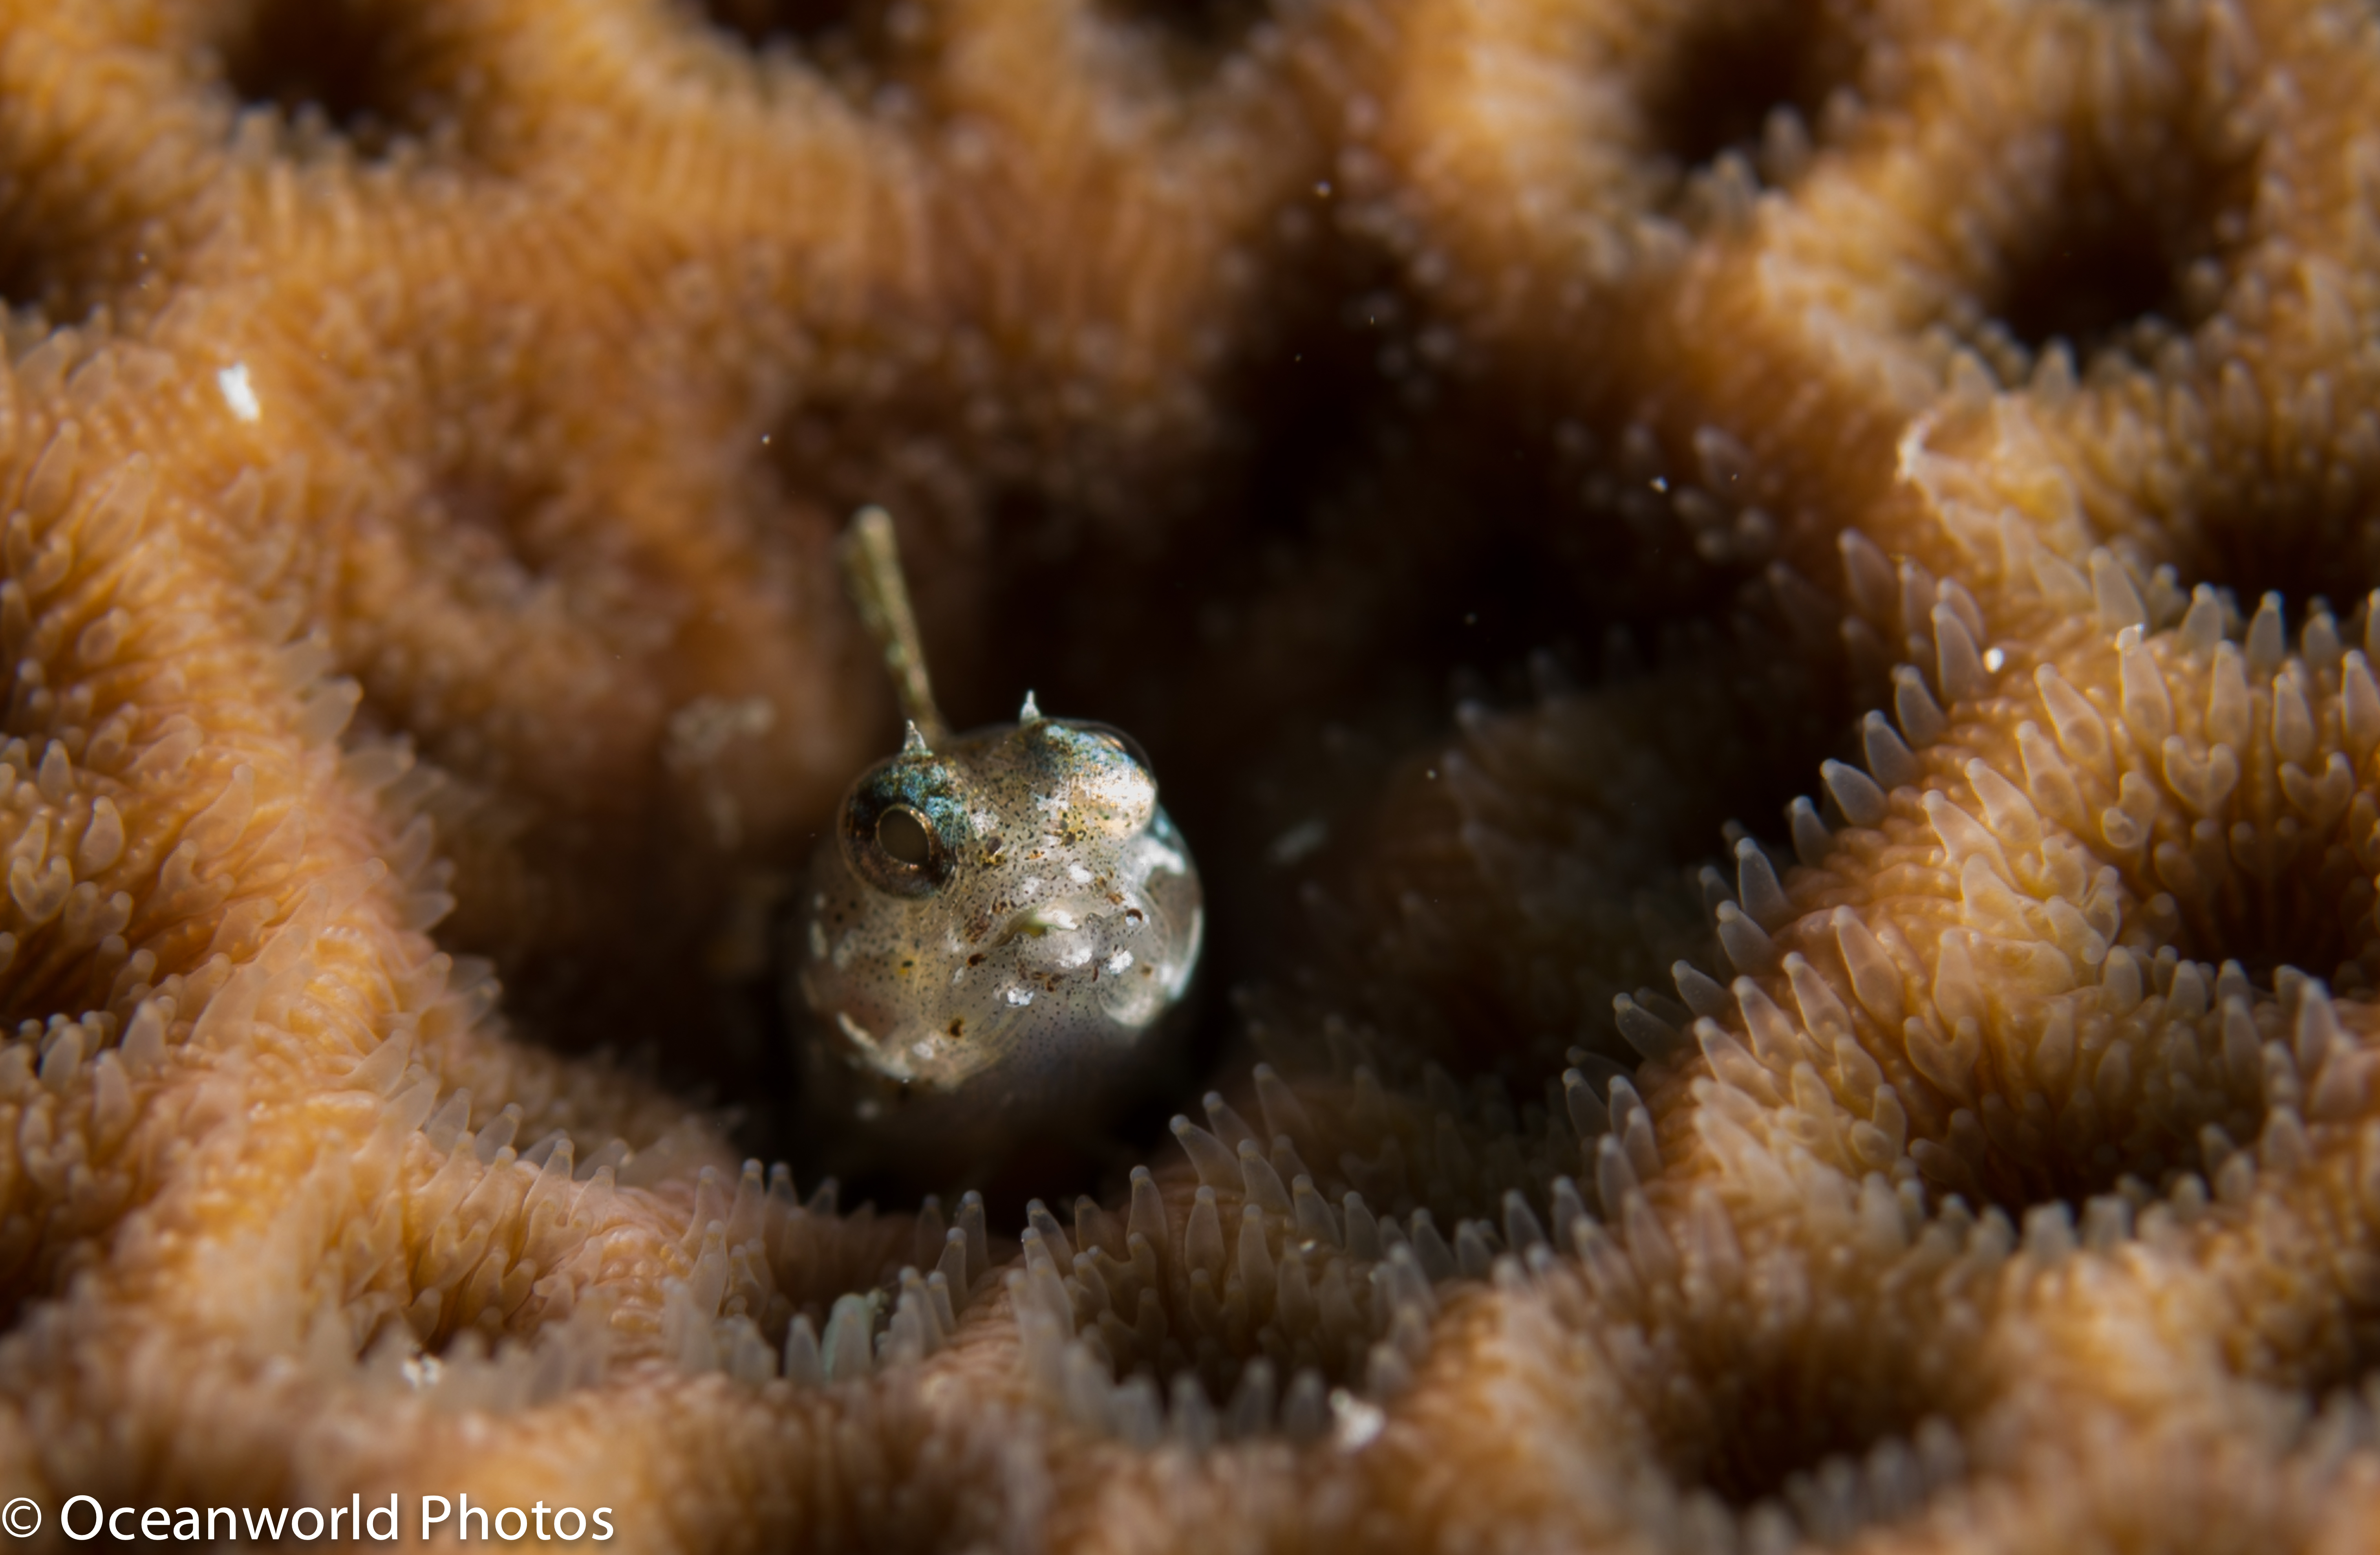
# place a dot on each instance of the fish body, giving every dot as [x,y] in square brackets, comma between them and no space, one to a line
[990,941]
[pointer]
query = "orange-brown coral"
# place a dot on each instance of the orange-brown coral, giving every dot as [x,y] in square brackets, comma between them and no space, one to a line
[1498,455]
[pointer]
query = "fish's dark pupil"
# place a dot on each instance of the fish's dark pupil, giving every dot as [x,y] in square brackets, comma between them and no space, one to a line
[901,834]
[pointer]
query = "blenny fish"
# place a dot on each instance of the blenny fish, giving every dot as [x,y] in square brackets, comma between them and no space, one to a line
[989,942]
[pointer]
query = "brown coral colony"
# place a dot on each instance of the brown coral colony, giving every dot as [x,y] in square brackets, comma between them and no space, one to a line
[1761,616]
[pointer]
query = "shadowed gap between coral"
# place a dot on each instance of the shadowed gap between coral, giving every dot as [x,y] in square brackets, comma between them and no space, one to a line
[758,24]
[1730,70]
[2129,251]
[362,64]
[1213,28]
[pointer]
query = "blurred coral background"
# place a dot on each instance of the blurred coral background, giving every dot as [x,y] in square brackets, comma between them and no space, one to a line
[1760,613]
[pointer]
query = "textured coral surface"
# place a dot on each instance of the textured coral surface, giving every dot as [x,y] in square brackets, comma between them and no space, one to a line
[1760,613]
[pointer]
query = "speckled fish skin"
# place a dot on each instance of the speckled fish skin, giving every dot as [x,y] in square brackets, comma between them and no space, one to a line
[1021,969]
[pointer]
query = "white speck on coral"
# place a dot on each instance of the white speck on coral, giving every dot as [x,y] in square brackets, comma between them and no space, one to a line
[1354,1422]
[238,393]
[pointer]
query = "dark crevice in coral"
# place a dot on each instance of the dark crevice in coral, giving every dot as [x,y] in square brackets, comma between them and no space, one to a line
[1508,923]
[31,276]
[2310,548]
[72,258]
[362,65]
[1732,66]
[759,23]
[1847,1407]
[2281,893]
[2102,271]
[1516,567]
[852,43]
[2129,251]
[1371,541]
[37,270]
[2294,899]
[1212,28]
[1797,1430]
[1519,567]
[2131,1117]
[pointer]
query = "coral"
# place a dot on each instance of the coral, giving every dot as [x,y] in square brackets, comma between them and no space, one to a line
[1761,614]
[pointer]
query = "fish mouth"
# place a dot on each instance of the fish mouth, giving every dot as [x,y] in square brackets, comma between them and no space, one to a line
[919,1057]
[1057,946]
[1075,926]
[1039,921]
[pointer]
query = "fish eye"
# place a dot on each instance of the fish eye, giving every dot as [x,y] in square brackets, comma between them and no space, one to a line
[890,832]
[900,832]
